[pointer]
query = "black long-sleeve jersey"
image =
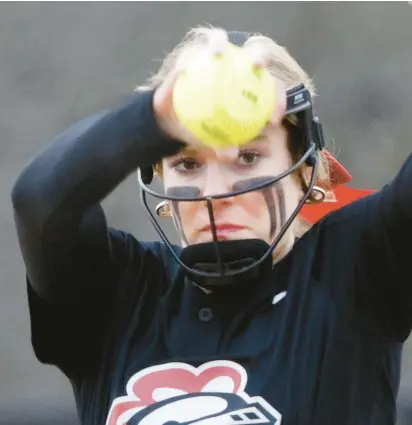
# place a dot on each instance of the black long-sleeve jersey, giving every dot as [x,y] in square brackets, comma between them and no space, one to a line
[317,342]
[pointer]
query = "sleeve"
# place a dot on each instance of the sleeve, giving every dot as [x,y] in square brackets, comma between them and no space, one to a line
[72,260]
[382,269]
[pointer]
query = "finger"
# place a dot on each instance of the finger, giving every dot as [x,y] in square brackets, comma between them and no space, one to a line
[163,97]
[217,41]
[259,56]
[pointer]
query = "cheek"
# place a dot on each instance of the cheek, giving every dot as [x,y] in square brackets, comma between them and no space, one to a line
[293,192]
[187,212]
[254,205]
[287,202]
[185,218]
[252,210]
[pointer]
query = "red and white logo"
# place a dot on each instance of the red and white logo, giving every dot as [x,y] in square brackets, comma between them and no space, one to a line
[180,394]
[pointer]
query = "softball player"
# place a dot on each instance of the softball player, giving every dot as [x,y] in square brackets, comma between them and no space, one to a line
[287,301]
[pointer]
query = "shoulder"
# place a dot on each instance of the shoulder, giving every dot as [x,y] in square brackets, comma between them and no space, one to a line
[334,241]
[346,223]
[356,212]
[127,252]
[164,255]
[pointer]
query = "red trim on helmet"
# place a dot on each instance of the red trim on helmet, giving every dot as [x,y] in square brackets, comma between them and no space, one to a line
[338,173]
[344,195]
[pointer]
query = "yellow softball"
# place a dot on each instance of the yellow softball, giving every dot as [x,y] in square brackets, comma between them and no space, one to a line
[224,100]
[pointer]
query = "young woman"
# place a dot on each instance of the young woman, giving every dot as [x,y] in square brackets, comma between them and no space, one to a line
[255,318]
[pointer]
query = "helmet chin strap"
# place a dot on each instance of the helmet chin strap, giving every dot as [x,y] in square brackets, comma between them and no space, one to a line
[234,256]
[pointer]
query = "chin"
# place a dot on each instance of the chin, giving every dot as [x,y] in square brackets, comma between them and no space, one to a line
[230,236]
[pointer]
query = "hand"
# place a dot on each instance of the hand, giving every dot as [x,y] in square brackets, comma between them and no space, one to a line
[217,43]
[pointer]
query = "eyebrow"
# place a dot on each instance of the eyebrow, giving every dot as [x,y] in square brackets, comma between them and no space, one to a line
[261,139]
[188,151]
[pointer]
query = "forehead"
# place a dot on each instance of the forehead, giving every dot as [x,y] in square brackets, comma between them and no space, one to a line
[271,142]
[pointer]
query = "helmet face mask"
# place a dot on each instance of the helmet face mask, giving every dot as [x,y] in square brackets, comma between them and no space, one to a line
[225,263]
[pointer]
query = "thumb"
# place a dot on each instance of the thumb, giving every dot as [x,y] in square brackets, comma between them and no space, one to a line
[163,97]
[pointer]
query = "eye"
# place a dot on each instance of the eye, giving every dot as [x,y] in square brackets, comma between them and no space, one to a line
[249,157]
[185,165]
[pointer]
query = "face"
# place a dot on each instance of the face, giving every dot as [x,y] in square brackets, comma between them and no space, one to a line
[207,171]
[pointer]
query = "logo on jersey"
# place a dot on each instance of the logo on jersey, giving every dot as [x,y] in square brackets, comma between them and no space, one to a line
[180,394]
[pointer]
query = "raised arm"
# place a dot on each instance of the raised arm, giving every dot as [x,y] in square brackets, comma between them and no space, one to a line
[372,238]
[71,258]
[383,270]
[56,198]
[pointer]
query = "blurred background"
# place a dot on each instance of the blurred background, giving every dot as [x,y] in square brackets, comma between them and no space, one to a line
[62,61]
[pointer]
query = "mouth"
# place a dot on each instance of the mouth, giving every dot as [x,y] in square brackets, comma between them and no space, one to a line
[223,229]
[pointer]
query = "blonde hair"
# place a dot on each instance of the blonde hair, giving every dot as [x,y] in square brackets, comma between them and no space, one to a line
[281,65]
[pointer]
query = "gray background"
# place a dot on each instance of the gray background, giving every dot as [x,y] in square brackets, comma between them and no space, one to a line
[62,61]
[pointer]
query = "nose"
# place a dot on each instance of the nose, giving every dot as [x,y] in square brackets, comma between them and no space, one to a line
[216,183]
